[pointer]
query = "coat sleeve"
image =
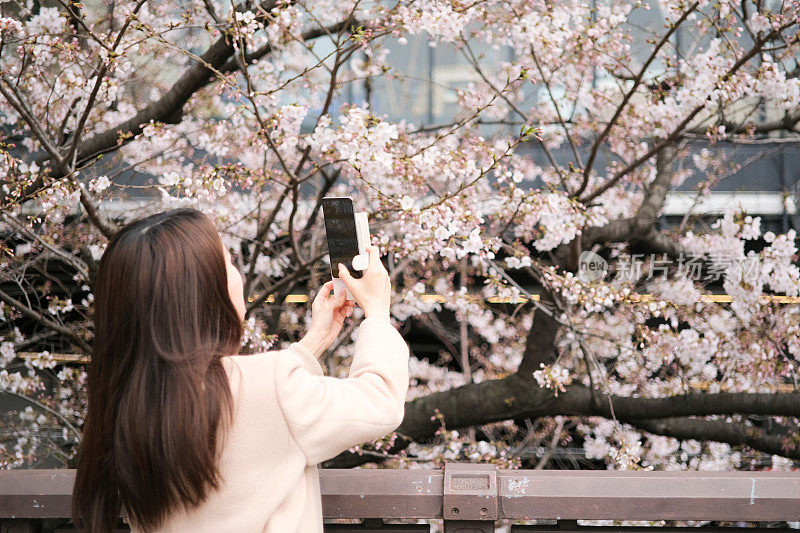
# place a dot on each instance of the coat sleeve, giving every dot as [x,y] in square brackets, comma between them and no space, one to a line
[328,415]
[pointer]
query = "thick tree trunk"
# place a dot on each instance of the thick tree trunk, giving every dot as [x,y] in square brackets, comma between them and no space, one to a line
[519,396]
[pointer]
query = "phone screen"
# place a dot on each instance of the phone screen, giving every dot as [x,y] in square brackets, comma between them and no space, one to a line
[340,227]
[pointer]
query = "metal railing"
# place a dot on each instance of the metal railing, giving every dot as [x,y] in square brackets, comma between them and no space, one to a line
[471,498]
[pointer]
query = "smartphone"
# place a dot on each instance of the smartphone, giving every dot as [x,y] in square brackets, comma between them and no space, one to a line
[340,227]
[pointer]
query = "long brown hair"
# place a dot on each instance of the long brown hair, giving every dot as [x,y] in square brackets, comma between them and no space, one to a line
[157,392]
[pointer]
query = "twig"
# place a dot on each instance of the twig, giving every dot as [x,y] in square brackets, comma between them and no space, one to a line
[30,313]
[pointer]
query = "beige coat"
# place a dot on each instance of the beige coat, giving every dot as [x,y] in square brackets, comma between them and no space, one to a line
[288,417]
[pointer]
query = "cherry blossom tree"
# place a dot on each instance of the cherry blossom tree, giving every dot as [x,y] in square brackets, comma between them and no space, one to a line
[240,109]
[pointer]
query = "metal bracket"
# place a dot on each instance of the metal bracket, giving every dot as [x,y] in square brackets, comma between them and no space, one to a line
[470,492]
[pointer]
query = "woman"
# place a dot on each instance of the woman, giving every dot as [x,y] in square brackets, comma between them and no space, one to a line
[181,433]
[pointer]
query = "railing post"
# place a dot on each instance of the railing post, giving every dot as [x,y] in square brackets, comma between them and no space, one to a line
[470,502]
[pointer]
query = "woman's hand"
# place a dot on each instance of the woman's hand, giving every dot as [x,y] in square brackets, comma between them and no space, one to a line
[327,317]
[373,290]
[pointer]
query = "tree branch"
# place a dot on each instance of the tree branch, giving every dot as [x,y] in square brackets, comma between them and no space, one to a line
[14,98]
[106,227]
[719,431]
[46,322]
[232,64]
[598,142]
[679,130]
[100,71]
[71,259]
[640,229]
[167,109]
[540,342]
[519,396]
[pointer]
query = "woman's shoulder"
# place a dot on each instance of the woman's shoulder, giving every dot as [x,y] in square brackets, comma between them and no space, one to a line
[251,375]
[294,355]
[258,359]
[257,374]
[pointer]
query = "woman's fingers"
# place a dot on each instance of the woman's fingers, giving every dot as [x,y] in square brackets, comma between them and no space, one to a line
[326,288]
[374,258]
[344,274]
[340,299]
[344,311]
[324,292]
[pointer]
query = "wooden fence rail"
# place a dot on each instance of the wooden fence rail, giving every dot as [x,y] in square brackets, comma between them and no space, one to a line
[471,498]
